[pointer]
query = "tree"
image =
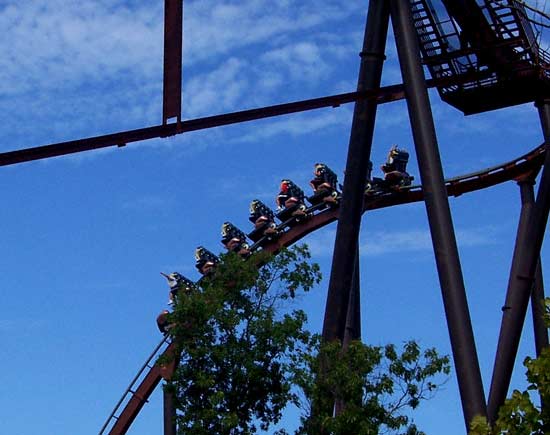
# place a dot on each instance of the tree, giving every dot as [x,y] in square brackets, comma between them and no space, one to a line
[236,338]
[246,355]
[520,415]
[376,384]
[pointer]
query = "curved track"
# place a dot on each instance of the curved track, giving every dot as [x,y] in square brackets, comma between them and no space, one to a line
[525,166]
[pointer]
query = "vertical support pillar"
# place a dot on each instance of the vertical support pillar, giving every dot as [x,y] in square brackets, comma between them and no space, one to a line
[522,276]
[169,412]
[439,214]
[173,42]
[351,208]
[537,293]
[353,322]
[353,317]
[537,296]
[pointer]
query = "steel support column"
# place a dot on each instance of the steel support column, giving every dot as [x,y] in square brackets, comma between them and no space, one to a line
[173,42]
[513,311]
[439,214]
[541,331]
[537,293]
[522,273]
[353,322]
[169,413]
[537,310]
[349,221]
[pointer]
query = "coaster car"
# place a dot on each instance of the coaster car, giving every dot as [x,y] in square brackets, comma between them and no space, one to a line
[395,173]
[177,283]
[325,186]
[290,202]
[263,219]
[234,239]
[205,261]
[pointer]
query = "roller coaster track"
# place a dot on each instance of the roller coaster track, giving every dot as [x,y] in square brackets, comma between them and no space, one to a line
[523,167]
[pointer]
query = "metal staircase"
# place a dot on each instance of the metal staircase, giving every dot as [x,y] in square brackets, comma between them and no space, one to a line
[497,62]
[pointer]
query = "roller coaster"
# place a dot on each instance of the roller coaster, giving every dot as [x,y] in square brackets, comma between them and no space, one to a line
[523,168]
[482,55]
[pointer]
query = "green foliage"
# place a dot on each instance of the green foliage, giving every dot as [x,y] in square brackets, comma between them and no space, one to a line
[236,346]
[245,355]
[375,384]
[519,415]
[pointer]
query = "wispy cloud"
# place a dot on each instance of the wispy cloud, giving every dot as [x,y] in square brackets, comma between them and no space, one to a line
[66,43]
[387,242]
[218,90]
[377,243]
[215,28]
[300,124]
[78,69]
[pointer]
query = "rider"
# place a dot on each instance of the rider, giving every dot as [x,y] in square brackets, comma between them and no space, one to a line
[234,239]
[289,195]
[177,282]
[205,261]
[324,184]
[395,168]
[263,219]
[284,194]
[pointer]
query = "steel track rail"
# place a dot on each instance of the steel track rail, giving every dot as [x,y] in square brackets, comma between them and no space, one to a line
[522,167]
[137,397]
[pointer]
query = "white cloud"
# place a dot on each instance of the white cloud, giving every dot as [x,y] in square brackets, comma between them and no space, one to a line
[387,242]
[300,61]
[300,124]
[59,43]
[214,28]
[216,91]
[376,243]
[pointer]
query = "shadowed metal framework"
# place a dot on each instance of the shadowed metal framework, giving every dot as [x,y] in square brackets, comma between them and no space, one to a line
[482,55]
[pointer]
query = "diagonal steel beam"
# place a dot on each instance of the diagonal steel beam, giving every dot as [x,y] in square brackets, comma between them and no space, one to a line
[360,143]
[439,213]
[382,95]
[522,277]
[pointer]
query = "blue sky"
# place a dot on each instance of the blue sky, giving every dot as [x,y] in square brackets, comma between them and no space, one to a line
[84,237]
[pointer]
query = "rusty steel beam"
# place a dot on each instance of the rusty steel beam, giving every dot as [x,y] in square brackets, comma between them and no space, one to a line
[146,387]
[439,214]
[169,408]
[139,398]
[173,41]
[358,157]
[383,95]
[522,276]
[537,310]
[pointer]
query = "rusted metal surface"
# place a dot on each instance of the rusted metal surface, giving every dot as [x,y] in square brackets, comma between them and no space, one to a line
[139,398]
[169,408]
[357,163]
[173,40]
[143,392]
[522,277]
[383,95]
[494,37]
